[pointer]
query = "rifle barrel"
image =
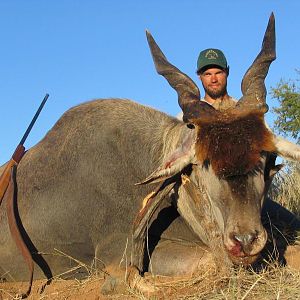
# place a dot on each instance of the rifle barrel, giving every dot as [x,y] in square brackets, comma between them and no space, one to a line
[33,120]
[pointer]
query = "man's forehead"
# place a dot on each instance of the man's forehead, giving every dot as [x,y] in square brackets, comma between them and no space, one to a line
[213,70]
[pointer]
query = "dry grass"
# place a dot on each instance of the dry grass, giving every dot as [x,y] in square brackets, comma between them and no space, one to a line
[286,188]
[274,282]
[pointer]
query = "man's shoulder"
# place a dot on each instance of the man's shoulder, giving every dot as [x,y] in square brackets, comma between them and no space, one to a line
[225,103]
[233,99]
[219,105]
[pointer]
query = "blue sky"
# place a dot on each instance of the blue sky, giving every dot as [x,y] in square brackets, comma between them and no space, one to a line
[82,50]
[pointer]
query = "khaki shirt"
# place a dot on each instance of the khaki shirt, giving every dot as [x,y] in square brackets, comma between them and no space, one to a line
[223,104]
[218,105]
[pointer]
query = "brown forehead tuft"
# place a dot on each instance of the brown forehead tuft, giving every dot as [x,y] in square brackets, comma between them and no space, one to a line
[233,145]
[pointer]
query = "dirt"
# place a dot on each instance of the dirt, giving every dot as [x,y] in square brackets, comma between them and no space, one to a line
[92,287]
[292,256]
[89,289]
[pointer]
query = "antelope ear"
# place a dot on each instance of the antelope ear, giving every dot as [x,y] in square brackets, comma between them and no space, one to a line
[287,149]
[181,157]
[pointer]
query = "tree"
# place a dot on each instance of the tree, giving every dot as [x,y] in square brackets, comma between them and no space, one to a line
[286,186]
[288,112]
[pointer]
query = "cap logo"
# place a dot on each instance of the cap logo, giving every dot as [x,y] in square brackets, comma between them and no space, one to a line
[211,54]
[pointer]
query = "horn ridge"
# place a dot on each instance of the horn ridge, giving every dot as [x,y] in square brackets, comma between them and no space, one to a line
[188,92]
[253,85]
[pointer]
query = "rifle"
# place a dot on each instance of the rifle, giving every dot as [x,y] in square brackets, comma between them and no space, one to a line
[18,153]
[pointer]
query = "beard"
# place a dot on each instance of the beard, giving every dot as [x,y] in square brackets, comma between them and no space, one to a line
[216,93]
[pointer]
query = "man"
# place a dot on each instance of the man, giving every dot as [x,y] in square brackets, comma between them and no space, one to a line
[213,70]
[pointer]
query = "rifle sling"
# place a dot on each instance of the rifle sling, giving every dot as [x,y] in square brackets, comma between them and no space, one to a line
[11,207]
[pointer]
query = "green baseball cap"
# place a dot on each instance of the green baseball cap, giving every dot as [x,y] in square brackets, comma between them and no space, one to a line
[211,56]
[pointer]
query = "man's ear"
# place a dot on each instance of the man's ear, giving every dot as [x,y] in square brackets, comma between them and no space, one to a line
[227,70]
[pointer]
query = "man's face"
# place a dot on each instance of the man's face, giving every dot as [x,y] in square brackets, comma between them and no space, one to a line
[214,82]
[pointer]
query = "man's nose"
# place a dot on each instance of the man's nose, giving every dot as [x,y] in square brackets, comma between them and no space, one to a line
[214,78]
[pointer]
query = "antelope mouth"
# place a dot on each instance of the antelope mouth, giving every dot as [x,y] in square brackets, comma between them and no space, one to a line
[245,260]
[246,251]
[240,257]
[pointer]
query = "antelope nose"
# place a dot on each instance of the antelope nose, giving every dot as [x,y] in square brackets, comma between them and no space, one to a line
[245,239]
[247,243]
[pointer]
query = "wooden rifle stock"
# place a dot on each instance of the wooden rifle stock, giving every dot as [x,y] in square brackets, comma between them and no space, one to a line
[5,176]
[18,154]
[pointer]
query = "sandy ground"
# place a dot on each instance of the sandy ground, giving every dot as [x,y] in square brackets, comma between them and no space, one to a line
[60,289]
[90,288]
